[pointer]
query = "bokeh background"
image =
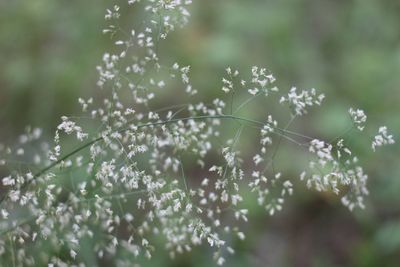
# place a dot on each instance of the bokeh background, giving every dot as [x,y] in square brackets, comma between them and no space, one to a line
[349,49]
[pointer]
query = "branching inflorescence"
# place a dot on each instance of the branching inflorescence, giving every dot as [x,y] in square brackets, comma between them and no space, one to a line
[125,183]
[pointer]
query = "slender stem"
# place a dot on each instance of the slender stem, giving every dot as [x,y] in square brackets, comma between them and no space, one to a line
[347,131]
[232,99]
[248,100]
[204,117]
[12,250]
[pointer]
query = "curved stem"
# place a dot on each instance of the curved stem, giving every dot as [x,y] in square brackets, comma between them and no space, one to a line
[204,117]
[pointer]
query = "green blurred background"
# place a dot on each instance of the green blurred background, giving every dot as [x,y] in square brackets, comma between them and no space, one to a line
[349,49]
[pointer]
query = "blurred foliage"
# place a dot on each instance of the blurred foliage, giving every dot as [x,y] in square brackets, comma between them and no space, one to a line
[349,49]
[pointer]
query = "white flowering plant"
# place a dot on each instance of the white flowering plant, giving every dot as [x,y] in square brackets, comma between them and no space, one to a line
[125,183]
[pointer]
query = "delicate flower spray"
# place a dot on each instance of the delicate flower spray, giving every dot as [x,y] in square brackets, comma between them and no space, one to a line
[125,183]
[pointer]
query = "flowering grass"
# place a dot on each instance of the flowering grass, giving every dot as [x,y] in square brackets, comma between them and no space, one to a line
[125,183]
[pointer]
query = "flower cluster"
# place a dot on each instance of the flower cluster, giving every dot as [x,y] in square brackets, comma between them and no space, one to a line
[299,102]
[359,118]
[382,138]
[126,183]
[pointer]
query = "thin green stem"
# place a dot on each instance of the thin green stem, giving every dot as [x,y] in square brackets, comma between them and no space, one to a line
[152,124]
[246,102]
[12,250]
